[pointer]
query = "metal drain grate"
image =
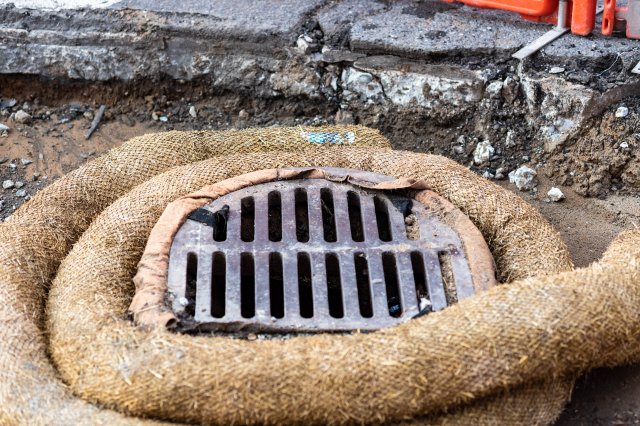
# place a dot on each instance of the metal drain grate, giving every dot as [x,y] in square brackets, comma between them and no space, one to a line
[314,255]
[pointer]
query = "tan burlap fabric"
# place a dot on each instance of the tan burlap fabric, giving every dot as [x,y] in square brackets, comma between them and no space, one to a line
[501,357]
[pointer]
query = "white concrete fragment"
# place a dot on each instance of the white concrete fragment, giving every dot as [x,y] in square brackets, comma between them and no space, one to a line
[8,184]
[524,178]
[22,117]
[483,152]
[622,112]
[555,194]
[494,89]
[556,70]
[192,111]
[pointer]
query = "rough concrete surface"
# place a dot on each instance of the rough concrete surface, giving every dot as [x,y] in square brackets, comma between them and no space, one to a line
[434,77]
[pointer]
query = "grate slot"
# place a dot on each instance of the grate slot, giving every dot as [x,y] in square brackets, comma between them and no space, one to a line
[382,219]
[328,215]
[247,219]
[419,276]
[361,268]
[214,294]
[247,286]
[276,285]
[275,216]
[305,286]
[302,215]
[192,282]
[355,216]
[394,301]
[334,285]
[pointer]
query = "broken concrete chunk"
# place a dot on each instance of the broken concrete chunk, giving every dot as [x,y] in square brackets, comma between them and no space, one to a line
[192,111]
[556,70]
[555,194]
[494,89]
[483,152]
[524,178]
[21,193]
[19,184]
[8,184]
[22,117]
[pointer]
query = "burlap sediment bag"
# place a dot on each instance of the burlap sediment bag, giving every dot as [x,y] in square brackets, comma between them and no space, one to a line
[504,356]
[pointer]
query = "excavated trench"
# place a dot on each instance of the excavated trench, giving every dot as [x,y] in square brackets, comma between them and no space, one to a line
[491,119]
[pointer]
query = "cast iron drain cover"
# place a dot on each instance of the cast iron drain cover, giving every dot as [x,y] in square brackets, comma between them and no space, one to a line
[317,255]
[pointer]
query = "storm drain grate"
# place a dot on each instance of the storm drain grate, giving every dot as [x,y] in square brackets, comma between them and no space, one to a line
[314,255]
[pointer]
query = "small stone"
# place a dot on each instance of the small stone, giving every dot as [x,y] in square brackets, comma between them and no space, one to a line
[21,193]
[192,111]
[555,194]
[243,115]
[510,140]
[36,175]
[524,178]
[12,166]
[22,117]
[494,89]
[1,205]
[488,175]
[164,118]
[4,128]
[19,184]
[458,149]
[8,184]
[622,112]
[500,173]
[25,161]
[556,70]
[154,116]
[251,336]
[304,44]
[624,145]
[483,152]
[344,117]
[88,115]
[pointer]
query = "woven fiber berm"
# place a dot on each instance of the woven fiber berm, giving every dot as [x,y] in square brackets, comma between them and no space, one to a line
[497,357]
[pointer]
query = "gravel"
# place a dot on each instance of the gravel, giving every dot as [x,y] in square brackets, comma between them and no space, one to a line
[21,193]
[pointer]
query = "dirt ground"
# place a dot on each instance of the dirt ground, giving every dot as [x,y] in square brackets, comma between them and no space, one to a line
[53,143]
